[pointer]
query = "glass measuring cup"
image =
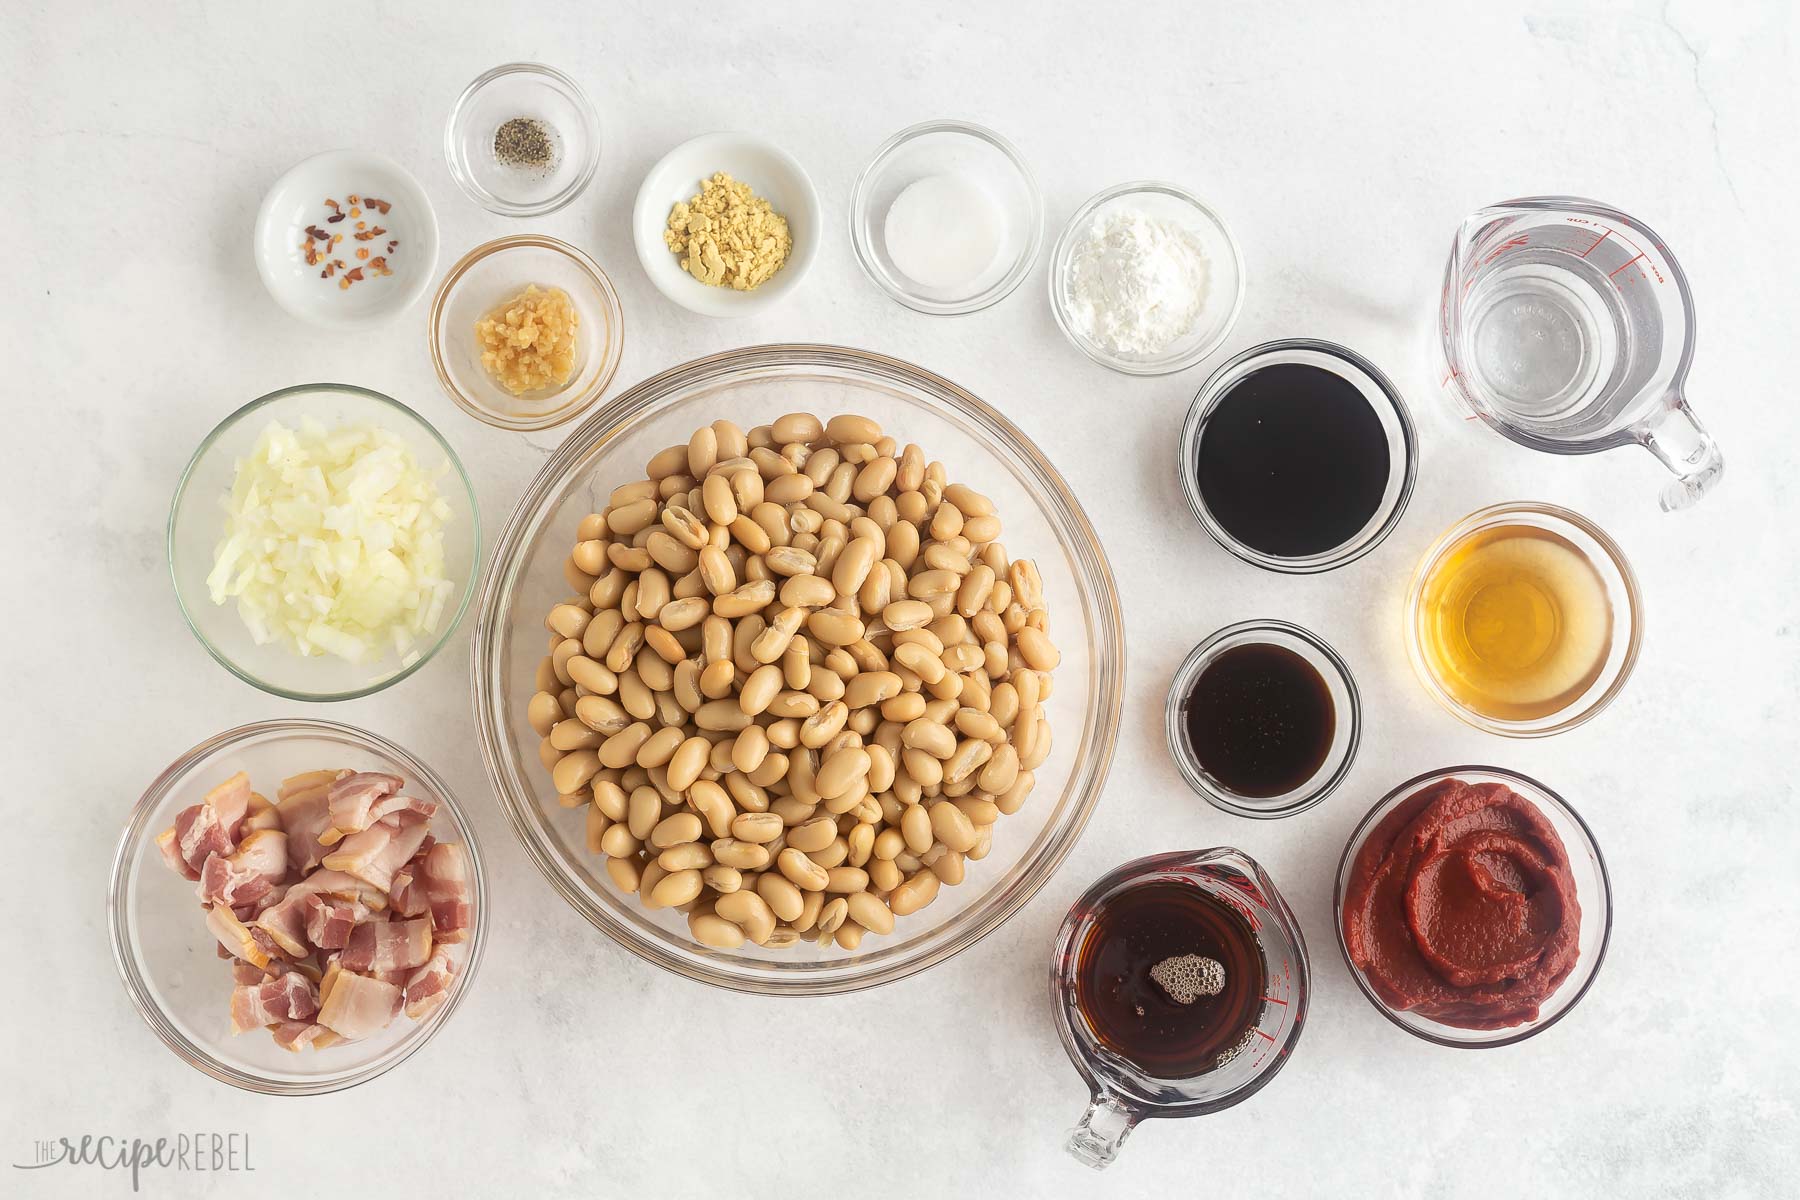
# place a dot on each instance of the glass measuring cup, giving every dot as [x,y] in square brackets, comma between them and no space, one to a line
[1121,1093]
[1567,326]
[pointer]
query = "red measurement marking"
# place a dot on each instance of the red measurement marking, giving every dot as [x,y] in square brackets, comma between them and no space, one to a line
[1596,244]
[1275,1000]
[1624,264]
[1259,1033]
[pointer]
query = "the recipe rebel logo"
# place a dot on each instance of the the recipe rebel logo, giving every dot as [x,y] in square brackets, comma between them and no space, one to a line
[191,1153]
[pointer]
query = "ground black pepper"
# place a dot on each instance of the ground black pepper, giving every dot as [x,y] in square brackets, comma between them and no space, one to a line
[525,142]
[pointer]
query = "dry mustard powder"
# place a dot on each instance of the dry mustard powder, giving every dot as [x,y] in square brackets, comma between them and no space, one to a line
[529,342]
[728,236]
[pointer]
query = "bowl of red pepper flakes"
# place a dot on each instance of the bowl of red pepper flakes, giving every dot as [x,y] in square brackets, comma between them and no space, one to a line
[346,238]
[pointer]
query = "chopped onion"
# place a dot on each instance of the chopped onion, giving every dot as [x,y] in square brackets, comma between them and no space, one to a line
[334,543]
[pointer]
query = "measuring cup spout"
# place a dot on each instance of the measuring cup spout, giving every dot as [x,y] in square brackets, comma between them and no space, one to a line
[1103,1129]
[1684,446]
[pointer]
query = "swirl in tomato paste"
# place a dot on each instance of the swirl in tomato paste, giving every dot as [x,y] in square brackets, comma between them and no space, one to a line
[1460,907]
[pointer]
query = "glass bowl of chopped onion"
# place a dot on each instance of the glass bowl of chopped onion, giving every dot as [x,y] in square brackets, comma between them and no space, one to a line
[173,962]
[324,542]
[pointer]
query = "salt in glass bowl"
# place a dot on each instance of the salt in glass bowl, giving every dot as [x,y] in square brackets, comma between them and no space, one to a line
[1346,707]
[532,91]
[197,523]
[955,148]
[1225,289]
[489,276]
[1593,892]
[169,960]
[1622,595]
[978,446]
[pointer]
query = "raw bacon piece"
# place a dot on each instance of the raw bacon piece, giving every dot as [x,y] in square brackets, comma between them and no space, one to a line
[375,853]
[429,986]
[297,1035]
[306,816]
[260,814]
[249,873]
[171,851]
[287,997]
[355,1006]
[286,922]
[235,936]
[406,895]
[350,800]
[330,920]
[307,781]
[446,873]
[383,946]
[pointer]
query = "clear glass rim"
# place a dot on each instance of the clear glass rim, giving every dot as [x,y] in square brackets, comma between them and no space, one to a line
[1577,713]
[1449,327]
[118,901]
[1217,384]
[466,587]
[1077,1036]
[1059,261]
[988,297]
[1323,782]
[1538,794]
[1091,767]
[459,170]
[578,401]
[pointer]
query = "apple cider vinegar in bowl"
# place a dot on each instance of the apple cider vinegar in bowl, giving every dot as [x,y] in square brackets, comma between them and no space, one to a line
[1523,619]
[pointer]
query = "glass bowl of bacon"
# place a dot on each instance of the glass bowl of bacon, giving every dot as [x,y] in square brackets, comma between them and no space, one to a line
[297,906]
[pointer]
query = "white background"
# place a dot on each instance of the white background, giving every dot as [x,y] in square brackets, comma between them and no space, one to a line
[1344,142]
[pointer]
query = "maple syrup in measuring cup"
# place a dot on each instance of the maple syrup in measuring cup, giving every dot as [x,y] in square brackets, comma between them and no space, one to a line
[1180,984]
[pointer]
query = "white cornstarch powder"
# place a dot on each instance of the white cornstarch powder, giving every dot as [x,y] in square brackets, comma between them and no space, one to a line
[1137,283]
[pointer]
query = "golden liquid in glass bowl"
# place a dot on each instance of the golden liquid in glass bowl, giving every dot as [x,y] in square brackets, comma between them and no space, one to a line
[1515,623]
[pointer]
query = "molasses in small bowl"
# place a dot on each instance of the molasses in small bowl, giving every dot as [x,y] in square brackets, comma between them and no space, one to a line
[1298,456]
[1263,719]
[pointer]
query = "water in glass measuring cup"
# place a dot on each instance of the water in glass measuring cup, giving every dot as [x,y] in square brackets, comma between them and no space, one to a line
[1567,326]
[1180,983]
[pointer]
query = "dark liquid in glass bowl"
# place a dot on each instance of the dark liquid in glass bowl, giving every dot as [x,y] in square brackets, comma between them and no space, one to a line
[1133,1014]
[1293,460]
[1260,720]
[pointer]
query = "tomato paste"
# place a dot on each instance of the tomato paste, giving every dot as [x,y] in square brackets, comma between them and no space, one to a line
[1460,907]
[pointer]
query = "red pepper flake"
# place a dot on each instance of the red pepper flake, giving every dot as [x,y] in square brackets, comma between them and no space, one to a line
[319,243]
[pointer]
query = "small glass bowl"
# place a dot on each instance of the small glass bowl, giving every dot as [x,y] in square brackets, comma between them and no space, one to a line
[1621,593]
[196,522]
[167,958]
[1225,295]
[1345,701]
[1383,397]
[1593,891]
[490,275]
[529,90]
[946,147]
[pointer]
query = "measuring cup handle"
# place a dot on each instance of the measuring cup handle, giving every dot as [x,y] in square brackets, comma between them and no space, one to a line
[1103,1129]
[1684,447]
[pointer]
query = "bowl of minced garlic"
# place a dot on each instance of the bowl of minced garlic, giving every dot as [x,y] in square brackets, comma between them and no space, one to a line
[526,332]
[726,224]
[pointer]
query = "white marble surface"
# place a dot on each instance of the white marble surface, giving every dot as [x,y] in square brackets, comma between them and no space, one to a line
[1344,145]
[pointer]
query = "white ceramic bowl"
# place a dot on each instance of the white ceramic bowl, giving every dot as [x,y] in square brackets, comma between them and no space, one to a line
[298,200]
[771,172]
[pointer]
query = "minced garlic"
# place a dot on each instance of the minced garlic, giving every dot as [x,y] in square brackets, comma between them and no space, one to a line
[728,236]
[528,343]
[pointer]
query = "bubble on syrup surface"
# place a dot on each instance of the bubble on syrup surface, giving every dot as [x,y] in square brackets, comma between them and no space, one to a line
[1187,977]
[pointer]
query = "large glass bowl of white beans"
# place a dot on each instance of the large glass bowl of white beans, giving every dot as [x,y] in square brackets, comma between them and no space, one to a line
[636,875]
